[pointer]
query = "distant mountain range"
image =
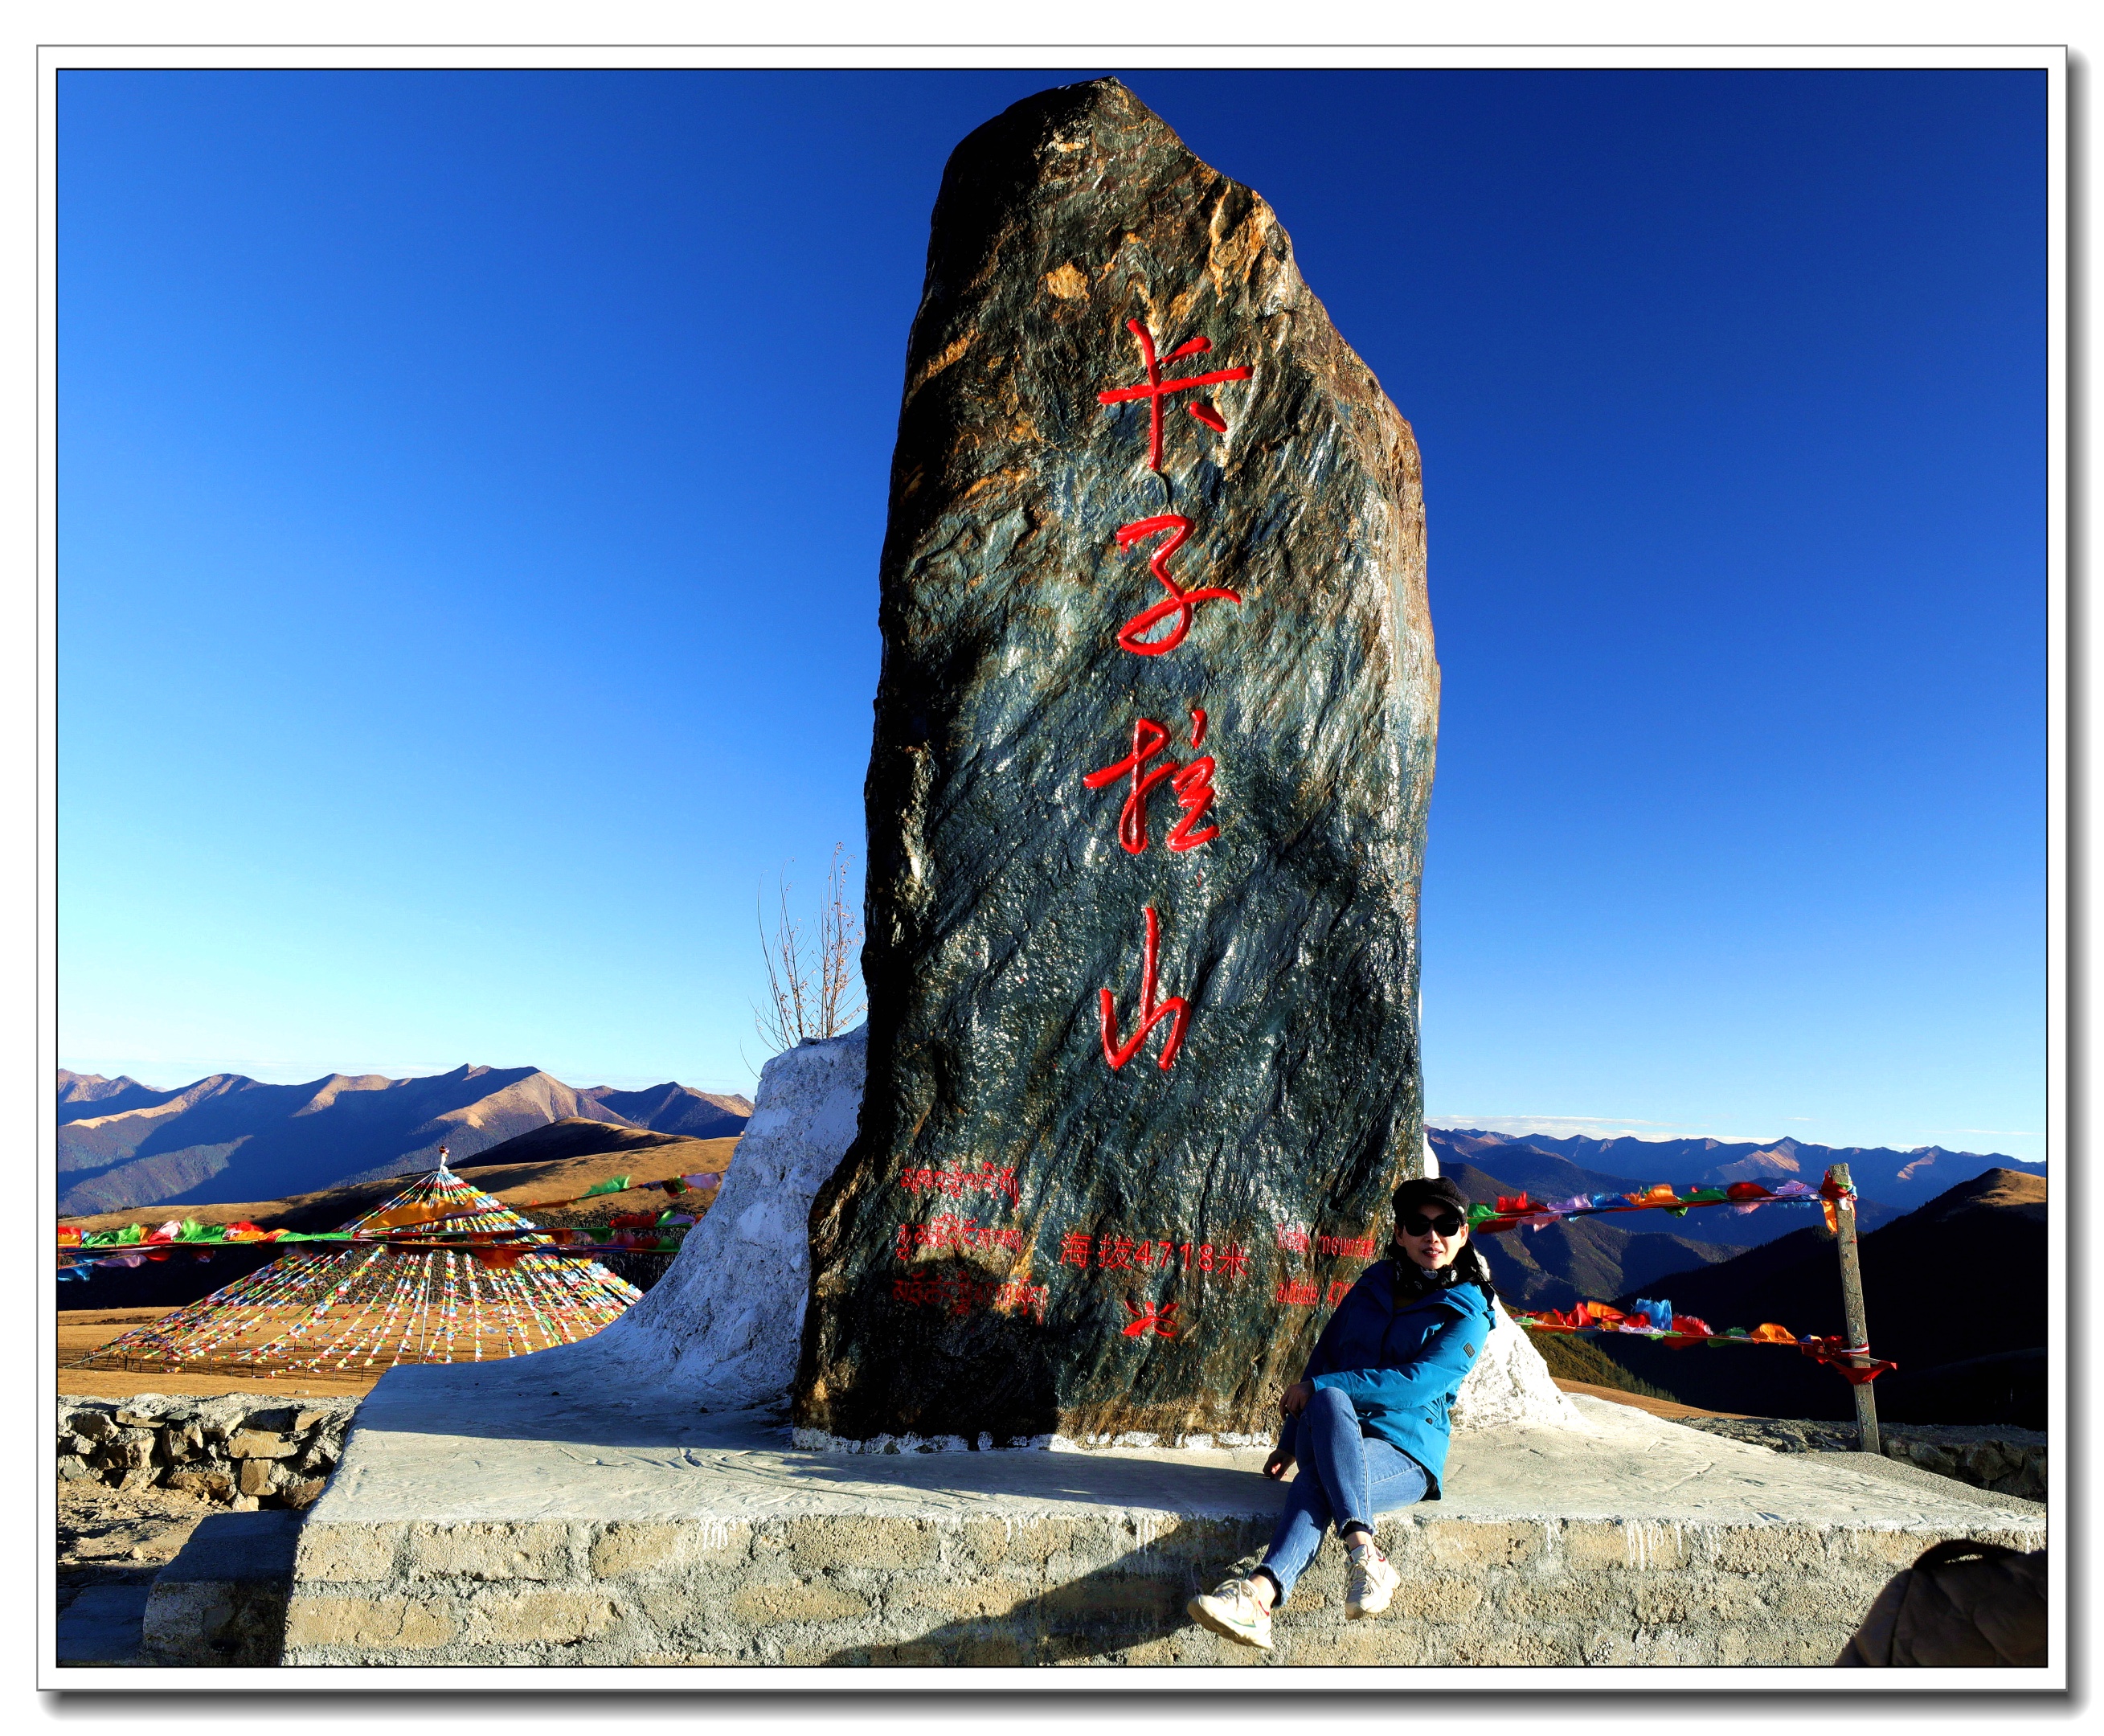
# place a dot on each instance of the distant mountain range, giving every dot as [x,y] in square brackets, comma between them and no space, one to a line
[123,1144]
[1599,1259]
[1900,1179]
[1954,1288]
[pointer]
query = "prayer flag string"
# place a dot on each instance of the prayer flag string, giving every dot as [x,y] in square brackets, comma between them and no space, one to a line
[1518,1210]
[1657,1320]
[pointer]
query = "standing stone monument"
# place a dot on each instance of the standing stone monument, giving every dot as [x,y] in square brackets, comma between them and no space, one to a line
[1146,803]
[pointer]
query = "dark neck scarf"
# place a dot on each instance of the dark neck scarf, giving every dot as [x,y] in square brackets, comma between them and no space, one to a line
[1413,1283]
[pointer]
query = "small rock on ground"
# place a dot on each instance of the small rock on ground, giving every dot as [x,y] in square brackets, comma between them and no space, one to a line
[111,1538]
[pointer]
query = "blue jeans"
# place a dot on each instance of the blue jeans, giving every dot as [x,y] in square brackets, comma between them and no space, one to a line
[1346,1477]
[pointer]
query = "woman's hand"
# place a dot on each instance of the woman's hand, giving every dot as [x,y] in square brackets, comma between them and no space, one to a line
[1280,1463]
[1294,1400]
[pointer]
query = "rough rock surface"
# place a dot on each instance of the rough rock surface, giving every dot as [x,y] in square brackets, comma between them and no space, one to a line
[722,1326]
[1056,1220]
[221,1602]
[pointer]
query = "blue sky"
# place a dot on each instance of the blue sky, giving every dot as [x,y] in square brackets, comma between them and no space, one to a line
[471,485]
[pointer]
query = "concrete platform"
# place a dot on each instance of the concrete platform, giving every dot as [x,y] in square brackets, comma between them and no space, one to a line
[480,1518]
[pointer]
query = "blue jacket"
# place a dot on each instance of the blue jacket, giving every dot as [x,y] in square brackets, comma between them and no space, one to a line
[1400,1364]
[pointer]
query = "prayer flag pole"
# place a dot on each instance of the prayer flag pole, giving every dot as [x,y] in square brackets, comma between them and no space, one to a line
[1851,1303]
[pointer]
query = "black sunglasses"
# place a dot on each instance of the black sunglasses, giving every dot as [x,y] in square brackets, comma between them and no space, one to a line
[1447,1223]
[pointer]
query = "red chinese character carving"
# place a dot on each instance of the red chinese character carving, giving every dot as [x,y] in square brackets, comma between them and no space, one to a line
[1147,1318]
[1176,1009]
[1156,388]
[1234,1262]
[1148,739]
[1074,1250]
[1114,1252]
[1180,602]
[1192,785]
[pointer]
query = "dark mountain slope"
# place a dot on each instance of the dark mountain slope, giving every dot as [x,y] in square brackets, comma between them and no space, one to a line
[1955,1294]
[574,1136]
[677,1109]
[84,1094]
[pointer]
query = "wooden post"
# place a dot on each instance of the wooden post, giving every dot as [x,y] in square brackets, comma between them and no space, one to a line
[1852,1308]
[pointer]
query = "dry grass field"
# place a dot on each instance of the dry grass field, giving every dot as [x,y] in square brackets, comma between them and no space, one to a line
[81,1330]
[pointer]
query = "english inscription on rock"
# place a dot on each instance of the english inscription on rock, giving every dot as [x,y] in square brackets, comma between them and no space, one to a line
[1146,803]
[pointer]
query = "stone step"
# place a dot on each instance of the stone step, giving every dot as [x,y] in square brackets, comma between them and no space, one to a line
[101,1628]
[222,1601]
[478,1520]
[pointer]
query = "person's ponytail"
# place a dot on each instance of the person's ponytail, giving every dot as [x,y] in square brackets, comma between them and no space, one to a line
[1475,1270]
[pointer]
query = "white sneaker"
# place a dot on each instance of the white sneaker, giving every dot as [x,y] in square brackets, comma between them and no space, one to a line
[1231,1609]
[1371,1584]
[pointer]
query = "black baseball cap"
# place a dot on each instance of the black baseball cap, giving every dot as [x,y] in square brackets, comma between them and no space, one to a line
[1424,1193]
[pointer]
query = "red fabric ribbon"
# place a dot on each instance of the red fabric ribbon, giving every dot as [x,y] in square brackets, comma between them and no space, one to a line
[1856,1366]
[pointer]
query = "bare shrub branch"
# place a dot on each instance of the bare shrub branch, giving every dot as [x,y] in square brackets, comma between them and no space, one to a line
[811,984]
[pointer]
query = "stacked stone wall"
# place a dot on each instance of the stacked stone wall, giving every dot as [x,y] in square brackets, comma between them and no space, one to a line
[242,1451]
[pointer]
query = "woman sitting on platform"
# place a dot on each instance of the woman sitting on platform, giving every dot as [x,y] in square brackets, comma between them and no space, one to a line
[1368,1420]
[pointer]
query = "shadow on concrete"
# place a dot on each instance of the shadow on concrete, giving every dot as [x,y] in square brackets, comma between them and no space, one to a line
[1095,1479]
[89,1576]
[1137,1601]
